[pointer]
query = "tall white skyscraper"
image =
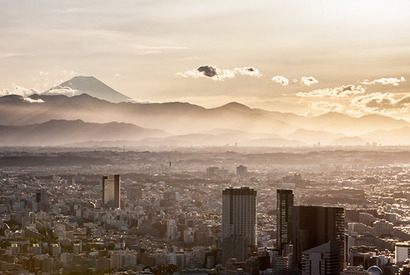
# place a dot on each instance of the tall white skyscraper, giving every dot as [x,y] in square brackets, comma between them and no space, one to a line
[239,214]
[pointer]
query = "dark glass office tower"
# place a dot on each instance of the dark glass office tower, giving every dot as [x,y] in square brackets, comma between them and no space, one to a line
[322,259]
[41,195]
[284,218]
[314,226]
[42,200]
[111,191]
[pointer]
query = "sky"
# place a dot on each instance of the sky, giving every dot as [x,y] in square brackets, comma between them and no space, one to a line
[305,57]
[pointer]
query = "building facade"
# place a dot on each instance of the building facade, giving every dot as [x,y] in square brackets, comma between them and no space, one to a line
[314,226]
[111,191]
[401,252]
[284,218]
[322,260]
[239,215]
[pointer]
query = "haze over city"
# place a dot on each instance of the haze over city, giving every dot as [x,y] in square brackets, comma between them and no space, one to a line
[204,137]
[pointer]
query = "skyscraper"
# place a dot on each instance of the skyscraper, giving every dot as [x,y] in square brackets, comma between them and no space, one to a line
[322,259]
[401,252]
[41,195]
[234,246]
[41,199]
[111,191]
[314,226]
[284,218]
[242,171]
[239,217]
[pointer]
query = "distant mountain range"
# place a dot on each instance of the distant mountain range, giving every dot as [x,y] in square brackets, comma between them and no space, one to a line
[62,132]
[55,119]
[397,136]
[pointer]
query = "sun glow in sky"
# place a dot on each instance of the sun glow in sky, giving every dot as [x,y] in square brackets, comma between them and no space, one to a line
[310,56]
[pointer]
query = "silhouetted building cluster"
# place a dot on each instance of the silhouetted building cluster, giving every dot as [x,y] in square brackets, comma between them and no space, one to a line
[309,238]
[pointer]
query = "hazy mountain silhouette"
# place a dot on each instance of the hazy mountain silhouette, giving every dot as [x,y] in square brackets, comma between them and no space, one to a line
[337,122]
[88,85]
[238,133]
[389,137]
[275,142]
[185,118]
[219,140]
[176,117]
[234,106]
[314,137]
[191,124]
[59,132]
[189,140]
[348,141]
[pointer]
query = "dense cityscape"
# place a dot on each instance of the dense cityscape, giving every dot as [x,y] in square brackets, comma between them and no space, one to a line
[224,210]
[224,137]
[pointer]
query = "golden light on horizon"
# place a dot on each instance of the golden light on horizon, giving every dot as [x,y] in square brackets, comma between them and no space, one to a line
[151,51]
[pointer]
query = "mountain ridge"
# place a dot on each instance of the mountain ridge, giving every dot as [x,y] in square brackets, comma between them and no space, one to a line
[182,117]
[88,85]
[59,132]
[236,121]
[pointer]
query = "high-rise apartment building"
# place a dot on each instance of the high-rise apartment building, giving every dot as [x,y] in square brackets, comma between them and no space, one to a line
[239,216]
[111,191]
[284,218]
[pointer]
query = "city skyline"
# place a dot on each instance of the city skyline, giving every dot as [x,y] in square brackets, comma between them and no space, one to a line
[221,137]
[55,216]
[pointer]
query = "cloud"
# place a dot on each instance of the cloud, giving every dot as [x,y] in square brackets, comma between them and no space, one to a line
[208,71]
[31,100]
[25,93]
[191,73]
[251,71]
[342,91]
[60,90]
[308,80]
[325,106]
[385,81]
[280,80]
[304,80]
[382,101]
